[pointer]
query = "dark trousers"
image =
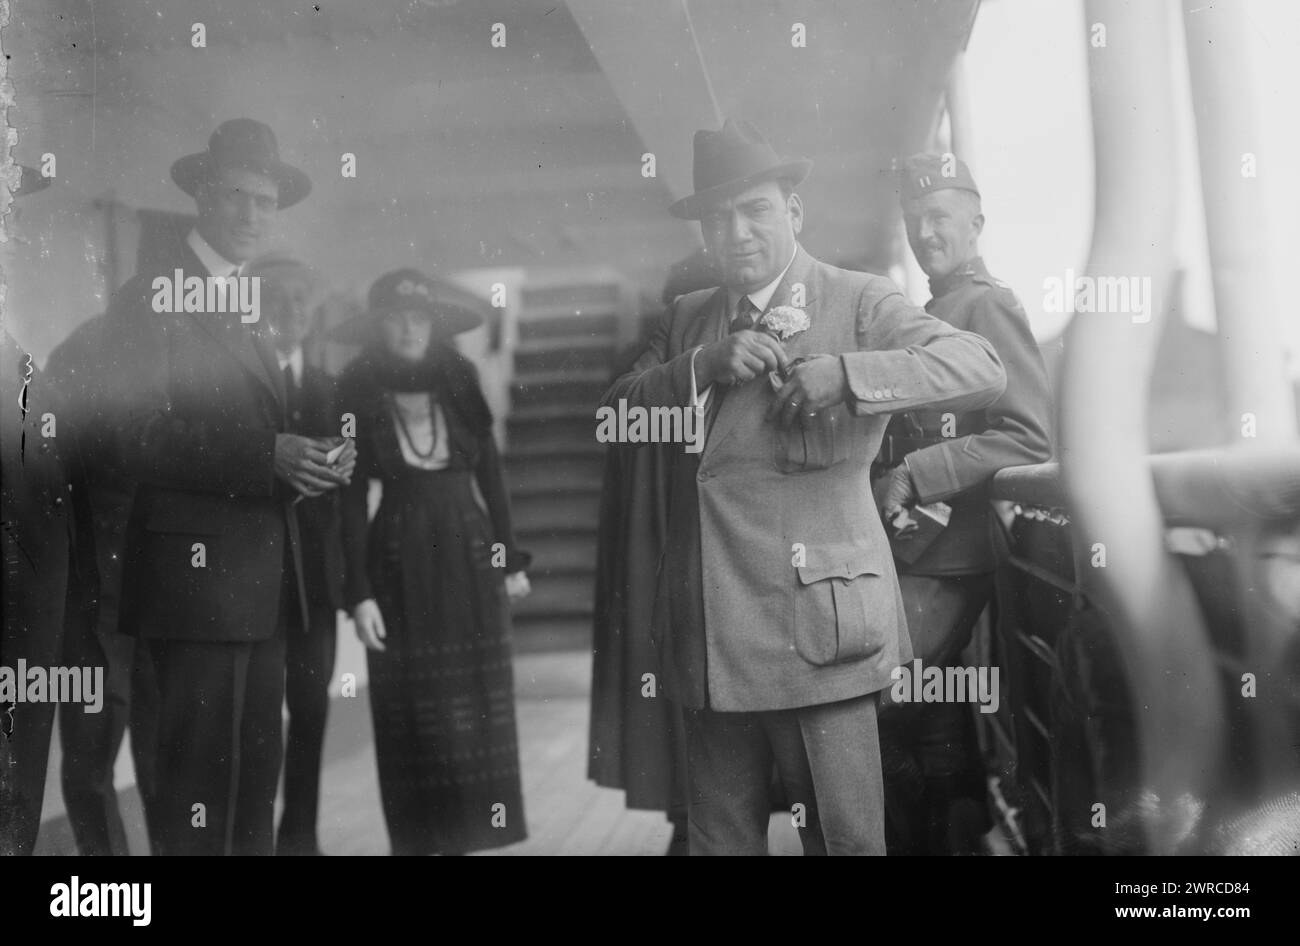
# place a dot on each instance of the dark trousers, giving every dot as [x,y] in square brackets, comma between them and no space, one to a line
[309,666]
[91,741]
[827,758]
[935,797]
[25,730]
[219,744]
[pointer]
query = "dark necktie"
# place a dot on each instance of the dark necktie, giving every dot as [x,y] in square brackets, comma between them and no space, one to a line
[290,391]
[745,312]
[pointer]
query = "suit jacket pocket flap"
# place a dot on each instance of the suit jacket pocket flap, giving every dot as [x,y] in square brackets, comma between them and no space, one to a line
[838,562]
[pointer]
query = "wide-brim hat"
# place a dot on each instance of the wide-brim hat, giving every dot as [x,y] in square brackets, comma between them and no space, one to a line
[451,309]
[732,160]
[243,143]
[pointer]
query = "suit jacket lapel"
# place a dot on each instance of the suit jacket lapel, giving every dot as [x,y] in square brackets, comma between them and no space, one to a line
[235,337]
[738,399]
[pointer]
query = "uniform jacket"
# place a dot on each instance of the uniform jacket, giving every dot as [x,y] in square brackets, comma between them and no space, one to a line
[1012,431]
[201,402]
[776,587]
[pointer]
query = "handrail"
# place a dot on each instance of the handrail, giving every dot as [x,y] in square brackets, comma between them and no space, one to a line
[1215,488]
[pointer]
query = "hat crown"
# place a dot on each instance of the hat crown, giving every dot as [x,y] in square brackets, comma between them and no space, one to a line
[924,173]
[244,141]
[409,286]
[737,151]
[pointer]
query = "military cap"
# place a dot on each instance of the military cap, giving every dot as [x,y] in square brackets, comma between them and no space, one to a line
[923,174]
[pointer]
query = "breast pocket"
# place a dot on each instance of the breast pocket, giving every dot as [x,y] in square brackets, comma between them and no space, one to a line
[814,443]
[841,596]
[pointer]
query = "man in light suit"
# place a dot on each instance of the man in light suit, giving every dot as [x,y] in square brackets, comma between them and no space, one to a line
[212,577]
[778,614]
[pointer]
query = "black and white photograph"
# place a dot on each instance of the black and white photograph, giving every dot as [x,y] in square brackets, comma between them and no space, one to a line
[651,427]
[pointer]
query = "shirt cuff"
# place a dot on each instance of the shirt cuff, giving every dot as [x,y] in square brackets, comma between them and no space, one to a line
[698,398]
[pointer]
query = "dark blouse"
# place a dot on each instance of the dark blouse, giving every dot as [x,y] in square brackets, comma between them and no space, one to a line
[471,448]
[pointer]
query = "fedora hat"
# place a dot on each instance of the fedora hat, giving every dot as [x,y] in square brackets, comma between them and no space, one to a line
[733,159]
[243,143]
[451,309]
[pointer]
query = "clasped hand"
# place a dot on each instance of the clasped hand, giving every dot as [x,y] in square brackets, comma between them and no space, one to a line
[302,462]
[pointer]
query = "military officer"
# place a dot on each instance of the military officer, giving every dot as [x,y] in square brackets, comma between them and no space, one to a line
[934,784]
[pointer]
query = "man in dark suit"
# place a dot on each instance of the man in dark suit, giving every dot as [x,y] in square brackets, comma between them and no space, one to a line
[289,291]
[777,612]
[934,782]
[213,576]
[101,505]
[34,541]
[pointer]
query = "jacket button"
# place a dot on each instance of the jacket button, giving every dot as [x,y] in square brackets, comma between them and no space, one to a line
[58,500]
[702,476]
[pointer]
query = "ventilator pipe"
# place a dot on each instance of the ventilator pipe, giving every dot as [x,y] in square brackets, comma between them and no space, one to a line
[1122,562]
[1260,403]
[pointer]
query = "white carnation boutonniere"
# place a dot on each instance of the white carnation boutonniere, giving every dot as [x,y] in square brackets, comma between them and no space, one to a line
[784,321]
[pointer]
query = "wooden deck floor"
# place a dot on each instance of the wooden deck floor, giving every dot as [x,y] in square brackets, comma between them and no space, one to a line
[566,813]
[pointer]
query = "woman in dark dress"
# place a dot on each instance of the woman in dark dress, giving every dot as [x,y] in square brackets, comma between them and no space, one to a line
[428,577]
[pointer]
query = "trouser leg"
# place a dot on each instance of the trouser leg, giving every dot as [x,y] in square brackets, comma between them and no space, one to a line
[309,666]
[728,767]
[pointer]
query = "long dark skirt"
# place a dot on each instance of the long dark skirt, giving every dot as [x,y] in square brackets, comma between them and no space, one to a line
[442,693]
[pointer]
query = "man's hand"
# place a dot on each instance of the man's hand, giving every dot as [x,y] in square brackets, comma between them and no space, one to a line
[899,495]
[370,624]
[738,358]
[346,461]
[815,384]
[300,462]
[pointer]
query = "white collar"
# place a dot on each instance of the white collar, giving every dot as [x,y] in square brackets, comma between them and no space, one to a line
[293,360]
[214,262]
[761,297]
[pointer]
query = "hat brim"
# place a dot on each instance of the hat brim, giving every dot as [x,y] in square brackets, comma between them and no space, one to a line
[292,184]
[693,207]
[448,317]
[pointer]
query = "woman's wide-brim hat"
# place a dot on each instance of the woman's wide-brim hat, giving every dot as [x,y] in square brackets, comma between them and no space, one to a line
[451,309]
[732,160]
[243,143]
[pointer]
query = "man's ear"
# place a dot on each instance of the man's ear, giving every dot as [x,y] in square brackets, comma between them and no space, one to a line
[794,206]
[977,222]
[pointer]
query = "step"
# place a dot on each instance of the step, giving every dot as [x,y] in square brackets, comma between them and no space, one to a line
[534,635]
[565,354]
[581,488]
[569,387]
[541,413]
[556,596]
[562,473]
[560,553]
[576,430]
[552,514]
[602,325]
[545,452]
[577,294]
